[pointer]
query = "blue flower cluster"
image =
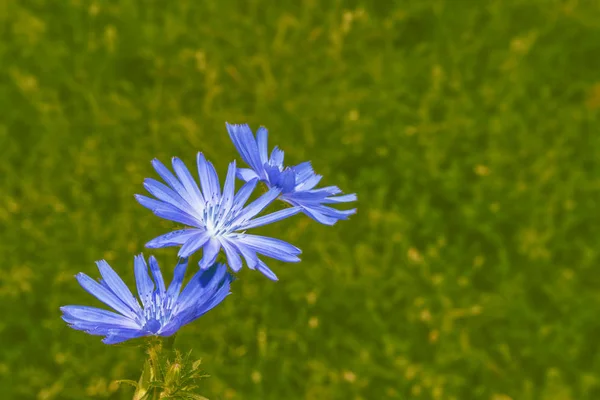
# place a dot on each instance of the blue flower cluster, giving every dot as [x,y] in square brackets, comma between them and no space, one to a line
[215,219]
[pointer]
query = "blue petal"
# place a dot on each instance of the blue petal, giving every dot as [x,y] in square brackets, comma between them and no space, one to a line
[171,213]
[303,171]
[221,293]
[308,182]
[194,243]
[306,178]
[256,206]
[205,295]
[118,287]
[96,328]
[270,218]
[316,195]
[209,253]
[82,314]
[262,267]
[200,287]
[272,247]
[216,274]
[287,180]
[331,212]
[171,327]
[121,335]
[191,187]
[149,203]
[157,275]
[273,175]
[144,284]
[248,254]
[233,257]
[104,294]
[340,214]
[178,275]
[243,140]
[175,238]
[171,180]
[228,190]
[233,131]
[340,199]
[243,195]
[276,157]
[166,194]
[208,179]
[183,317]
[246,174]
[318,216]
[261,142]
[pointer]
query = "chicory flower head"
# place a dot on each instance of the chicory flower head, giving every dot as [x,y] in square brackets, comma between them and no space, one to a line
[162,311]
[297,183]
[216,219]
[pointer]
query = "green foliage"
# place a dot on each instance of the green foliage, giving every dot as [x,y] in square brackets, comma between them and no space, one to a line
[167,375]
[468,129]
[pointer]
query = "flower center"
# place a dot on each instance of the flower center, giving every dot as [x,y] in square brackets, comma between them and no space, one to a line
[215,221]
[152,325]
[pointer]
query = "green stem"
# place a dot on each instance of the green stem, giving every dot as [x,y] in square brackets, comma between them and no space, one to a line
[151,371]
[169,343]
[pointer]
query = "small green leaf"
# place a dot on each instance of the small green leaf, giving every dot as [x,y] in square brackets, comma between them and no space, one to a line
[196,364]
[128,382]
[193,396]
[143,384]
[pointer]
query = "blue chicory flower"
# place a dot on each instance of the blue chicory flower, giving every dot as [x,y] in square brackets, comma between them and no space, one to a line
[162,311]
[217,219]
[296,183]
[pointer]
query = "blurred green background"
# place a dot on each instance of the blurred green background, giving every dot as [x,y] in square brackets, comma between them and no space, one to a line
[468,129]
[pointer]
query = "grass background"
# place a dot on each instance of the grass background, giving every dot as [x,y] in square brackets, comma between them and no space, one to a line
[469,130]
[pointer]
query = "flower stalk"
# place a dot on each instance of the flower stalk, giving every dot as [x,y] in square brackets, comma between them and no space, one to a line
[167,374]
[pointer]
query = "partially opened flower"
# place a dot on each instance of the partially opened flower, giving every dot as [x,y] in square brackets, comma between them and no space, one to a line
[296,183]
[161,312]
[216,219]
